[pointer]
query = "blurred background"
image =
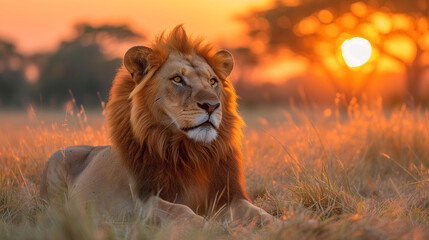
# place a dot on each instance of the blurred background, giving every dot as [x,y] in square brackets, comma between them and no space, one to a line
[288,52]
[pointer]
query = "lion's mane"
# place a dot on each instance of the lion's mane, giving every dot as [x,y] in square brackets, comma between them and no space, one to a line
[166,163]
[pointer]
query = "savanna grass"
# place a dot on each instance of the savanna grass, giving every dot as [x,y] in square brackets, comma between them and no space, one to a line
[361,173]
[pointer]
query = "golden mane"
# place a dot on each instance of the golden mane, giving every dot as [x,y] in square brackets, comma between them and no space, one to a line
[164,162]
[179,41]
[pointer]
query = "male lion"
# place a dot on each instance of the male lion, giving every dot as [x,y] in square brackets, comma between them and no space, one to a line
[176,139]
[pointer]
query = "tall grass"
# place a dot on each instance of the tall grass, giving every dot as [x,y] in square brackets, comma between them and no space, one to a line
[363,174]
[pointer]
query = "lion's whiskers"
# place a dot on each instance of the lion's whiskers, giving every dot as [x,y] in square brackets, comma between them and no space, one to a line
[173,121]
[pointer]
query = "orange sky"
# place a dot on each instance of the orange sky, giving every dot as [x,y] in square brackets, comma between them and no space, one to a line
[36,25]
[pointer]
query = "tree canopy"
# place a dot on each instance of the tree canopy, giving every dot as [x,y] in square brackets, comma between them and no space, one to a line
[398,31]
[81,66]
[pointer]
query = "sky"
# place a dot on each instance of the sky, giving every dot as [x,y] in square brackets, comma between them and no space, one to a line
[39,25]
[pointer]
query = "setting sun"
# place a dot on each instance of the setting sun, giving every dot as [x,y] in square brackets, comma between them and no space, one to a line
[356,51]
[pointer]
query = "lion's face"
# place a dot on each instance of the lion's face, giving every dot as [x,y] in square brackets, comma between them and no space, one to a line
[188,96]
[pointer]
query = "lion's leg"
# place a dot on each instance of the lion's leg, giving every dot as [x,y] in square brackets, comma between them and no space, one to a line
[163,212]
[243,211]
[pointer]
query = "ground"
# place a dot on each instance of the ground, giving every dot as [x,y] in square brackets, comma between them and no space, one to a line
[359,173]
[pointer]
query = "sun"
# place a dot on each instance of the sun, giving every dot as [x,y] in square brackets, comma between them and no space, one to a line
[356,51]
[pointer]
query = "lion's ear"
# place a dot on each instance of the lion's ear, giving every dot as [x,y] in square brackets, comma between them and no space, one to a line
[227,61]
[135,61]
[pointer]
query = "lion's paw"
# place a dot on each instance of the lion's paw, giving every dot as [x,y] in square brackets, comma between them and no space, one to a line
[243,212]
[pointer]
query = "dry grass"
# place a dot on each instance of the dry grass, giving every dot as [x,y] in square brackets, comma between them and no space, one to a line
[325,175]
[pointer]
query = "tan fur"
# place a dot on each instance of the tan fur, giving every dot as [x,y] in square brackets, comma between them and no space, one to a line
[154,158]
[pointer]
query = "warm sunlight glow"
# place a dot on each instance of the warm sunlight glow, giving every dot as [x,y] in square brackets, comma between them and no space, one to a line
[356,51]
[52,23]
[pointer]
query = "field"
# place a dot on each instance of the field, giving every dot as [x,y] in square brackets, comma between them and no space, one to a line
[360,173]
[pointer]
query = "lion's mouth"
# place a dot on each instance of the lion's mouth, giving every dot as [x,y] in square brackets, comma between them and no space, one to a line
[186,129]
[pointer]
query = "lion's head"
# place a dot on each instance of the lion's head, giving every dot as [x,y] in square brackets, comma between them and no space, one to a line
[173,102]
[180,84]
[187,90]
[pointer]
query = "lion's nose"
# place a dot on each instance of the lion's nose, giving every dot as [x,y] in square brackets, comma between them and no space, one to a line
[209,107]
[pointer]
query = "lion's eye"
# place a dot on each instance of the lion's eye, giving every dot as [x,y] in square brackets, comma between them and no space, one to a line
[177,79]
[213,81]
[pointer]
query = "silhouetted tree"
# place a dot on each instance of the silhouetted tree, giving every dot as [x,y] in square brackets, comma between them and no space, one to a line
[12,81]
[81,66]
[397,29]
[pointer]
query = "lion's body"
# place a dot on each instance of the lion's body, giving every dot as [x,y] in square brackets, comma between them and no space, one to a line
[175,133]
[92,174]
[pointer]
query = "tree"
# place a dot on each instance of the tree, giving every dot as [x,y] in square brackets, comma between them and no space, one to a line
[82,67]
[398,31]
[12,81]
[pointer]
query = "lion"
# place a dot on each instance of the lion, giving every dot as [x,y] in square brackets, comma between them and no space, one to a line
[176,140]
